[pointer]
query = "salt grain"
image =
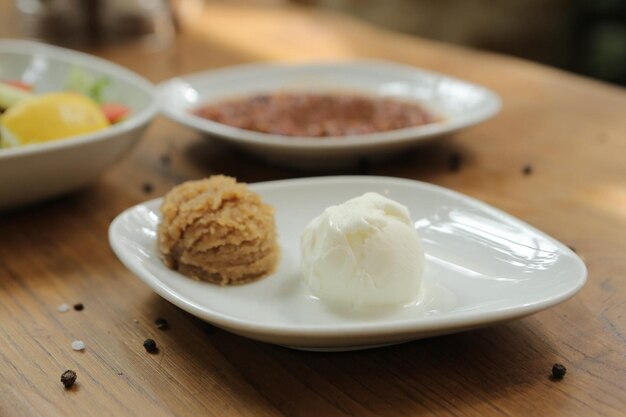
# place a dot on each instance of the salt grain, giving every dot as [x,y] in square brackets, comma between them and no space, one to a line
[63,308]
[78,345]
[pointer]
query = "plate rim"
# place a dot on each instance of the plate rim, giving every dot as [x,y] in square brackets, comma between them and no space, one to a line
[419,324]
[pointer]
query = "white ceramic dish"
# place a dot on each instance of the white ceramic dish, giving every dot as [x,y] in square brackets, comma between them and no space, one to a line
[35,172]
[483,267]
[460,103]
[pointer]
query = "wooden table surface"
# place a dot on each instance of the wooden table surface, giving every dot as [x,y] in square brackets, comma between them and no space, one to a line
[569,129]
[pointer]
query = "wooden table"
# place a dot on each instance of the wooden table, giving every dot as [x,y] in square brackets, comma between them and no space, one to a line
[569,129]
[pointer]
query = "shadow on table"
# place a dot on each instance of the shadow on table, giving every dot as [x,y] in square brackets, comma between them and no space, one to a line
[424,161]
[445,373]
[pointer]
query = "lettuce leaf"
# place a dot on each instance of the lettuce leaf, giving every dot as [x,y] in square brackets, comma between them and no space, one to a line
[82,82]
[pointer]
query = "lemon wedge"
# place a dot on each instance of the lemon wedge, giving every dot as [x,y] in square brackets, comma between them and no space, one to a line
[49,117]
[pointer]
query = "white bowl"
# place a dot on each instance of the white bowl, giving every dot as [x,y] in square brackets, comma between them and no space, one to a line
[35,172]
[460,103]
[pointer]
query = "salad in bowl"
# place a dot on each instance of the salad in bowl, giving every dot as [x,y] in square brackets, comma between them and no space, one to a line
[66,117]
[29,118]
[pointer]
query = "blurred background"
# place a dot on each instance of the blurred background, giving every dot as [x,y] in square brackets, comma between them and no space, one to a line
[583,36]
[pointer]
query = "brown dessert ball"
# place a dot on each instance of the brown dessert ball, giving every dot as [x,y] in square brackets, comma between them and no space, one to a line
[218,230]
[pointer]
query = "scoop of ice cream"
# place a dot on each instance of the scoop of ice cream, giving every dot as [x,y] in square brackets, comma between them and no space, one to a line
[363,253]
[217,230]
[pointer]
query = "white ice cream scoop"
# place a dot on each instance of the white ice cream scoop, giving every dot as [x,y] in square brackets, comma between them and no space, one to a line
[363,253]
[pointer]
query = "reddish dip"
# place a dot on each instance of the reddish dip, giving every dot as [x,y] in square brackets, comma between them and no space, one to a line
[316,114]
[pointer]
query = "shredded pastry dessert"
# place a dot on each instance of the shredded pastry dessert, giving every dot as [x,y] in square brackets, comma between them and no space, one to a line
[218,230]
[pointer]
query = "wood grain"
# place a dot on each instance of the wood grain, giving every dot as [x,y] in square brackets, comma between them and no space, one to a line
[569,129]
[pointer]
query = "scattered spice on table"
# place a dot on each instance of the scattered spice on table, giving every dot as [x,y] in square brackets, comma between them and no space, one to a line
[527,170]
[150,346]
[558,371]
[78,345]
[161,323]
[147,188]
[455,162]
[68,378]
[79,307]
[63,308]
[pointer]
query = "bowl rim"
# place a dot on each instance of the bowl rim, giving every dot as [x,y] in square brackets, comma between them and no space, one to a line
[136,120]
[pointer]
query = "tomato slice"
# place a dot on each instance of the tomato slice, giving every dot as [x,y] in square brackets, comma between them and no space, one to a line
[18,84]
[115,112]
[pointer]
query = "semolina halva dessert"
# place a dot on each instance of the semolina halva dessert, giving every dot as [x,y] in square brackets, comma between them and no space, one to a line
[218,230]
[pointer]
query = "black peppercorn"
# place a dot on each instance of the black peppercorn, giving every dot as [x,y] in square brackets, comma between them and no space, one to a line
[527,170]
[68,378]
[558,371]
[455,162]
[150,345]
[79,307]
[147,188]
[161,323]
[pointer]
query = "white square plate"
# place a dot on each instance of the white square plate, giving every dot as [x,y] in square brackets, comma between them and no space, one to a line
[483,266]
